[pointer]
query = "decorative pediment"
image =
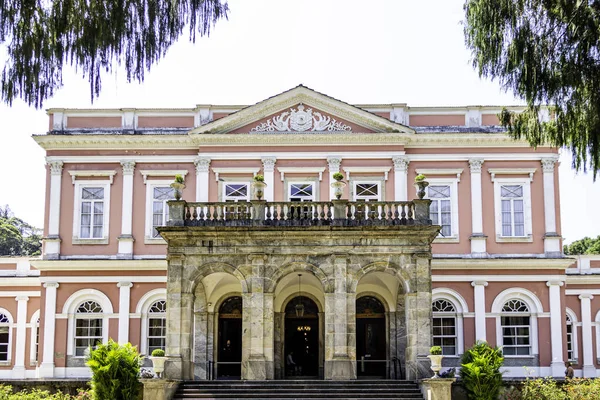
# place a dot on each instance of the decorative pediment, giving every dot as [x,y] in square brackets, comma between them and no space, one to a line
[301,111]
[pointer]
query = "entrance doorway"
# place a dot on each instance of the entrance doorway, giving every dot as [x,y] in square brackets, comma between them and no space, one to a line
[371,360]
[229,354]
[301,350]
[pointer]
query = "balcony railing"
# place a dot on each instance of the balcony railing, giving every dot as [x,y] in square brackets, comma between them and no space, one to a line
[312,213]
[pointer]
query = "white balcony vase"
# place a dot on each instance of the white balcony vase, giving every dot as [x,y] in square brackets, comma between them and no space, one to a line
[259,189]
[436,363]
[338,187]
[178,187]
[158,365]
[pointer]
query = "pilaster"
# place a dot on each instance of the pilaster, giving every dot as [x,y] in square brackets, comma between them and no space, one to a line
[46,369]
[126,238]
[202,172]
[124,299]
[478,239]
[52,241]
[400,178]
[556,319]
[334,166]
[479,299]
[269,174]
[589,370]
[18,371]
[551,237]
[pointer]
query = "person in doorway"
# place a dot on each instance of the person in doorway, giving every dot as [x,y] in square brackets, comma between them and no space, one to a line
[292,366]
[569,372]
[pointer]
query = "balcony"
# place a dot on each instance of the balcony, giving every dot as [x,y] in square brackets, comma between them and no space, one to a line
[290,214]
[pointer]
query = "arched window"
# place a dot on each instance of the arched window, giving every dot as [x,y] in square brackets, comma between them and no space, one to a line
[157,326]
[571,323]
[34,323]
[88,327]
[445,326]
[4,337]
[516,328]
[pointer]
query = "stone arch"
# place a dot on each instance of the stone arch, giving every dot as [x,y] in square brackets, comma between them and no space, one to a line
[210,268]
[378,296]
[385,267]
[291,297]
[297,266]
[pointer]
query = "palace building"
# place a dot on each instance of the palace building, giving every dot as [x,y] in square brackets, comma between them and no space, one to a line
[298,278]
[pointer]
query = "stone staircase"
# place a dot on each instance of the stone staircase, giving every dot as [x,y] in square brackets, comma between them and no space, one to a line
[299,389]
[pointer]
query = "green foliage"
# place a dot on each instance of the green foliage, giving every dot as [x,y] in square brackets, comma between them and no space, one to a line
[115,371]
[6,393]
[259,178]
[178,178]
[435,350]
[158,353]
[480,371]
[542,389]
[582,389]
[583,246]
[338,176]
[545,52]
[17,237]
[420,178]
[41,37]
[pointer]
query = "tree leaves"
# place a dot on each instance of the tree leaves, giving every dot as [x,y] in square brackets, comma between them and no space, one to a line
[586,245]
[18,238]
[546,52]
[94,36]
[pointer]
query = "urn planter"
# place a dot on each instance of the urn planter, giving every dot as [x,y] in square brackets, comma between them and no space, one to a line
[338,187]
[178,187]
[259,189]
[158,364]
[436,363]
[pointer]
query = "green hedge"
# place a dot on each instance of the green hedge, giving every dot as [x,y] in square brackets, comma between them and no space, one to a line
[6,393]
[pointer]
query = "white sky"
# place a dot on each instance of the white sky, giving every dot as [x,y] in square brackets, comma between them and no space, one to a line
[375,51]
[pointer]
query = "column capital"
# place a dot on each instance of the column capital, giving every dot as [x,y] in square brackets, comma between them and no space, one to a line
[334,163]
[475,164]
[549,163]
[202,164]
[400,163]
[128,167]
[51,285]
[555,283]
[586,296]
[124,284]
[55,167]
[268,163]
[479,283]
[22,298]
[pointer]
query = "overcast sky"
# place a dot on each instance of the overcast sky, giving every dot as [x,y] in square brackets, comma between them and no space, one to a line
[375,51]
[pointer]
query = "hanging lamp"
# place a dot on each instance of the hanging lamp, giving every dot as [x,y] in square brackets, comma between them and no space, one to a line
[299,306]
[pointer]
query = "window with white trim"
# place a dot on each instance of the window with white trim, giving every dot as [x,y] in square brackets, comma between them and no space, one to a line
[571,354]
[301,191]
[91,211]
[4,337]
[88,327]
[236,191]
[445,326]
[516,328]
[513,208]
[157,326]
[160,208]
[441,207]
[37,341]
[367,191]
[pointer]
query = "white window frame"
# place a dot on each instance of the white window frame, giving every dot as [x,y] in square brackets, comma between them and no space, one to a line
[535,309]
[142,309]
[290,182]
[150,185]
[34,323]
[462,310]
[162,316]
[446,315]
[86,316]
[70,309]
[224,184]
[79,185]
[379,183]
[526,183]
[454,229]
[10,325]
[574,325]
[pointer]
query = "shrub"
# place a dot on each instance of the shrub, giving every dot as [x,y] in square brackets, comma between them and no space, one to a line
[259,178]
[158,353]
[338,176]
[582,389]
[115,371]
[178,178]
[420,178]
[435,350]
[480,371]
[6,393]
[542,389]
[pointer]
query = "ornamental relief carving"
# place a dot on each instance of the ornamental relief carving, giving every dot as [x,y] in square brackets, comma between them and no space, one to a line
[301,119]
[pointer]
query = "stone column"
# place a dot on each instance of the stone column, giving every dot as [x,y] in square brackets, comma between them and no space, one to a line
[478,239]
[551,238]
[556,319]
[479,300]
[400,178]
[334,166]
[126,238]
[418,319]
[339,364]
[589,370]
[201,349]
[21,335]
[46,369]
[124,298]
[52,241]
[269,174]
[202,172]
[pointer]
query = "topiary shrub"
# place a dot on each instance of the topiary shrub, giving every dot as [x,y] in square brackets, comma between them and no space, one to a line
[158,353]
[115,371]
[480,371]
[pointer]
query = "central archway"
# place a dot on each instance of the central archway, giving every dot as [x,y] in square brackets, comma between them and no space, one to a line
[229,355]
[302,335]
[371,330]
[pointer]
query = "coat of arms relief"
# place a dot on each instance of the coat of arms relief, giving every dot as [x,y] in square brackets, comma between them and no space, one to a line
[301,120]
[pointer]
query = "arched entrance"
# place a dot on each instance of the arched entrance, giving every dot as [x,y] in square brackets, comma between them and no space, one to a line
[301,338]
[371,348]
[229,354]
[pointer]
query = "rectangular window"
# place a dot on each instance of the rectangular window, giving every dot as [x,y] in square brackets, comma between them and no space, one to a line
[366,191]
[301,192]
[441,207]
[444,334]
[4,337]
[88,333]
[160,209]
[513,214]
[92,213]
[516,336]
[570,349]
[235,192]
[157,333]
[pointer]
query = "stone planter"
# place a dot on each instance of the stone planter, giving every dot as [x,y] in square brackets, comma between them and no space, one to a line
[258,188]
[178,188]
[422,185]
[338,187]
[436,364]
[158,365]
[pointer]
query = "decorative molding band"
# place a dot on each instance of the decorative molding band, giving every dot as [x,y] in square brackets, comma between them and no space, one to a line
[23,295]
[512,171]
[301,170]
[110,279]
[358,170]
[485,279]
[162,172]
[501,263]
[441,171]
[235,170]
[99,265]
[299,120]
[94,173]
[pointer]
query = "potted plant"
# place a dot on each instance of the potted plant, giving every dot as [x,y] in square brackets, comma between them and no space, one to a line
[435,356]
[338,185]
[422,183]
[259,186]
[178,186]
[158,361]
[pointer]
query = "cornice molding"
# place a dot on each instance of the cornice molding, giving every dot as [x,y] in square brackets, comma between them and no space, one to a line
[100,265]
[500,263]
[114,142]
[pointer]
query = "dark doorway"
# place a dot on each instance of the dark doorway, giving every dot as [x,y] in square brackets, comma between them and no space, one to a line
[229,355]
[371,359]
[301,339]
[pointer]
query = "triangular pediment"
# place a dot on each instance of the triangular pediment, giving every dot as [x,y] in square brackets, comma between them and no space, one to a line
[301,110]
